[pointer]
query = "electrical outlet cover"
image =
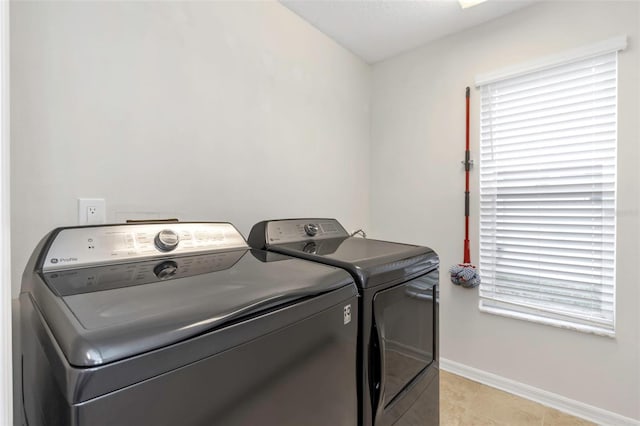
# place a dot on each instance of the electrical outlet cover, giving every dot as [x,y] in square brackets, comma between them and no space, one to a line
[91,211]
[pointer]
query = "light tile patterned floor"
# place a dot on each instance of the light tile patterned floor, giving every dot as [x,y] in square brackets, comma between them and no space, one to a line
[467,403]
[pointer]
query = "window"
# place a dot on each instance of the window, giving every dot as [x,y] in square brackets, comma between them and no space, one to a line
[547,192]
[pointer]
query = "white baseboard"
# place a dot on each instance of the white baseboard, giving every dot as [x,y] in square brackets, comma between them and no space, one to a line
[561,403]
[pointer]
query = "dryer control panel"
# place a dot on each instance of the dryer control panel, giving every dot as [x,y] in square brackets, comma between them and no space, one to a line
[293,230]
[96,245]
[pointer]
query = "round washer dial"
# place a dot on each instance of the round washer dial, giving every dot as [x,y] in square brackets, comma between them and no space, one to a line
[311,229]
[167,240]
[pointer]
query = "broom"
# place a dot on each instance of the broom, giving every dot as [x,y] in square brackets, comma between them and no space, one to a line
[465,274]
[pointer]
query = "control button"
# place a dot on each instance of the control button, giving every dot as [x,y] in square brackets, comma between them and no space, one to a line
[166,240]
[311,229]
[166,270]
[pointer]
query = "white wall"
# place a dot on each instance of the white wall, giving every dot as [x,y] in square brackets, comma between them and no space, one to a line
[225,110]
[417,195]
[205,110]
[6,321]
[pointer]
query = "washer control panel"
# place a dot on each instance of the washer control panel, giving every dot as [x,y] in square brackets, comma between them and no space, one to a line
[294,230]
[95,245]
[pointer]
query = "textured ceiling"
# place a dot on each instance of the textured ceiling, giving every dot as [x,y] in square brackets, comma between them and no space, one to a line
[379,29]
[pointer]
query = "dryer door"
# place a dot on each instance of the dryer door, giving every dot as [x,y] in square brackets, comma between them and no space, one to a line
[403,339]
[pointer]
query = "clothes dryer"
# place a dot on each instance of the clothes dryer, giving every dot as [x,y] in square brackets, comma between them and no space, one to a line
[398,375]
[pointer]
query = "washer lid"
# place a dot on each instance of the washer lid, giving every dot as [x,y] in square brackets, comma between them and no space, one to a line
[102,314]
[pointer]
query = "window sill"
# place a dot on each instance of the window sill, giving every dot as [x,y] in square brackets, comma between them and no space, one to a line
[584,328]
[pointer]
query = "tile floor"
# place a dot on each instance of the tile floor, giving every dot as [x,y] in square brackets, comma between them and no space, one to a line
[466,403]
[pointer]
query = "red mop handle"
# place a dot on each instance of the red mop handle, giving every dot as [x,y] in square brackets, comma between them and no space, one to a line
[467,252]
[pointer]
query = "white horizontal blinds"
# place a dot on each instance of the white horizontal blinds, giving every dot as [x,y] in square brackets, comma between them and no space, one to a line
[547,194]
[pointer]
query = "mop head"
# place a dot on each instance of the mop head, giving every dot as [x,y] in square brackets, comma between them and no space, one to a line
[465,274]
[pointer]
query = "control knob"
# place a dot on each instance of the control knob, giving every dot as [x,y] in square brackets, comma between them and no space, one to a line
[166,240]
[311,229]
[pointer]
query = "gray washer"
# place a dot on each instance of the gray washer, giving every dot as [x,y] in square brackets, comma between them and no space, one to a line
[226,337]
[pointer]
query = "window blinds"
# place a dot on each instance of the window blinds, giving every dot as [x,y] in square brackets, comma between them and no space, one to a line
[547,195]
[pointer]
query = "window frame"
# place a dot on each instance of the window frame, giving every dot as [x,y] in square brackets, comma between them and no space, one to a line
[532,314]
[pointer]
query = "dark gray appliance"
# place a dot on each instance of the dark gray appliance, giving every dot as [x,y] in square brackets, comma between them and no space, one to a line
[183,324]
[398,323]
